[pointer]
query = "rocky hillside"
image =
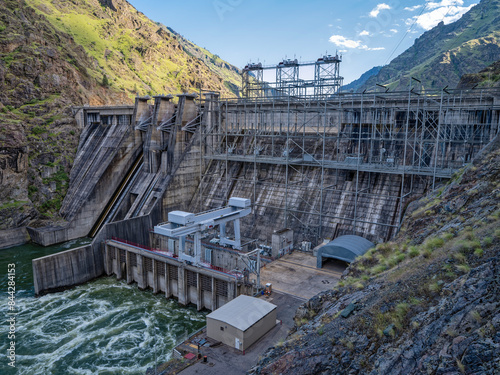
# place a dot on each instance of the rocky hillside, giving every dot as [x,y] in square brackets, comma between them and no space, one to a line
[489,77]
[357,83]
[135,54]
[230,74]
[443,54]
[57,54]
[427,303]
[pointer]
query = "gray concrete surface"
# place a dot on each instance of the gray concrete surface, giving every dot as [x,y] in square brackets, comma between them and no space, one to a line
[296,274]
[224,360]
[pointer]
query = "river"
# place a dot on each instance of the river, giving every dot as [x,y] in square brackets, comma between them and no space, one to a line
[102,327]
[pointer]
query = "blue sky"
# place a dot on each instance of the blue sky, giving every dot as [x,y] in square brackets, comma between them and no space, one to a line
[366,33]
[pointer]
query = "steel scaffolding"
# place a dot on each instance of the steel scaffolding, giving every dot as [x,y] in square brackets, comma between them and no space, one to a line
[327,80]
[320,153]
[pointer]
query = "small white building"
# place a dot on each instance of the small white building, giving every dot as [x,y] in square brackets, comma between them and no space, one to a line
[241,322]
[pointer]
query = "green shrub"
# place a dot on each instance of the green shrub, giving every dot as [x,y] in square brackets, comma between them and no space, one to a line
[378,269]
[105,81]
[37,130]
[385,247]
[414,252]
[434,287]
[447,236]
[487,241]
[465,268]
[433,243]
[321,330]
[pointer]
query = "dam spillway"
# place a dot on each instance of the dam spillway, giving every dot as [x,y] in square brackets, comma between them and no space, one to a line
[345,164]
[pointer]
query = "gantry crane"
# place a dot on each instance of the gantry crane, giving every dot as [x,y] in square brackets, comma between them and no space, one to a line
[181,224]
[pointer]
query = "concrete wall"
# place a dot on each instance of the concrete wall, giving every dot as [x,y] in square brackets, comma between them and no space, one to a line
[66,269]
[76,266]
[378,202]
[13,237]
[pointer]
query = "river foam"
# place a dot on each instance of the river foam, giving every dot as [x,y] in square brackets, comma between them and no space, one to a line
[102,327]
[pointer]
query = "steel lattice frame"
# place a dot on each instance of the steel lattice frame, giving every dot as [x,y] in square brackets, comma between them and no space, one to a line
[416,136]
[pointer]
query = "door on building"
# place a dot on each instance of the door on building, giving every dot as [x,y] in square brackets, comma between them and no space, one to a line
[237,343]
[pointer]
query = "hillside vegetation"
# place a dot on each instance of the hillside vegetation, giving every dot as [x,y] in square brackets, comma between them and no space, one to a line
[489,77]
[428,302]
[443,54]
[136,54]
[58,54]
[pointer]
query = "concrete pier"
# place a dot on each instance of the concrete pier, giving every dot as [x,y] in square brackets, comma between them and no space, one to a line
[205,288]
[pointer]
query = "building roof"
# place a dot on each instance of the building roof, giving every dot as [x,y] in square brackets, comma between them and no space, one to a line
[345,248]
[242,312]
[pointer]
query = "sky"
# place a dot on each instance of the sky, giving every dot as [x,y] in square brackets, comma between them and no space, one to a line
[366,33]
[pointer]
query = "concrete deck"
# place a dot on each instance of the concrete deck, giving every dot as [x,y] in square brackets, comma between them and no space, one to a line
[223,359]
[295,279]
[296,274]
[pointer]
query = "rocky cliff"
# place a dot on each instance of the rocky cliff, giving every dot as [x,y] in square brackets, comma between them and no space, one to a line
[443,54]
[58,54]
[429,302]
[488,77]
[43,72]
[134,54]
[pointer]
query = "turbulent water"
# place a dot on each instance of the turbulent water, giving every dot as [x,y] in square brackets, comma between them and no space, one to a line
[102,327]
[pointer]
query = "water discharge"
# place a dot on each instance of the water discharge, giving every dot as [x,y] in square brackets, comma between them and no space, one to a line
[103,327]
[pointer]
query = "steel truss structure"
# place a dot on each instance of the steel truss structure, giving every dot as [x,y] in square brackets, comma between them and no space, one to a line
[314,151]
[327,80]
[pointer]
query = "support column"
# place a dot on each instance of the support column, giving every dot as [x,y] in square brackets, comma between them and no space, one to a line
[231,290]
[106,259]
[182,246]
[197,248]
[156,282]
[199,303]
[141,279]
[129,269]
[237,237]
[214,294]
[119,273]
[168,287]
[182,286]
[222,230]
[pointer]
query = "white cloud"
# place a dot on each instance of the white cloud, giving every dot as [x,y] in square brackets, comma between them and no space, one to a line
[375,11]
[393,31]
[364,33]
[411,9]
[443,3]
[442,11]
[342,41]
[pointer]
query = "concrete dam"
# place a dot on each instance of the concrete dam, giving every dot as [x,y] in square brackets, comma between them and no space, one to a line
[313,167]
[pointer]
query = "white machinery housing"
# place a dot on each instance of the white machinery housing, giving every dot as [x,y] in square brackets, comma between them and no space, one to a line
[181,223]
